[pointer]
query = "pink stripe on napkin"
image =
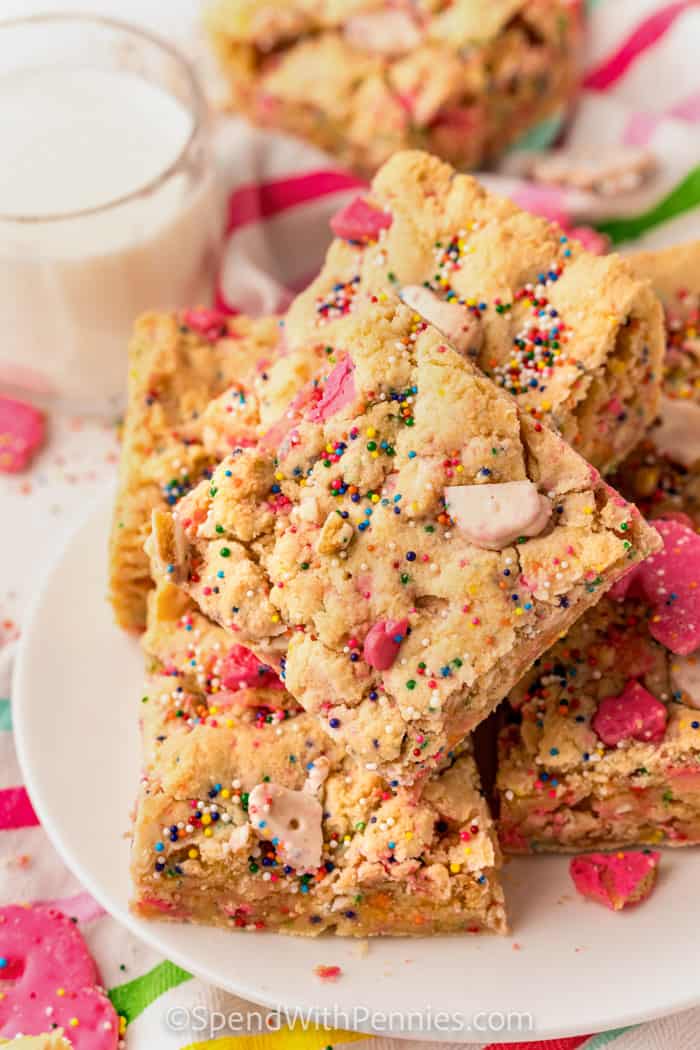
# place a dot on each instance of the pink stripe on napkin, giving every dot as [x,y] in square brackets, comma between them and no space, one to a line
[640,129]
[688,109]
[16,811]
[572,1043]
[261,200]
[647,33]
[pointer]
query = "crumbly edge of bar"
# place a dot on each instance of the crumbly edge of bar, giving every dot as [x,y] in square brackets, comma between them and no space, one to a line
[460,901]
[173,375]
[610,310]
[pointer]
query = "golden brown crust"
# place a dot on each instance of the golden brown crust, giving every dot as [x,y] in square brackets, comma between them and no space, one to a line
[392,863]
[561,788]
[174,372]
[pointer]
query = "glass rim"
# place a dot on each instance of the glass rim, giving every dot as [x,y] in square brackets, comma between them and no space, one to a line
[198,107]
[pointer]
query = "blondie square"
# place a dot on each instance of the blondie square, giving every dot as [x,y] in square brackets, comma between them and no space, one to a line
[177,364]
[576,338]
[249,816]
[365,79]
[605,746]
[403,545]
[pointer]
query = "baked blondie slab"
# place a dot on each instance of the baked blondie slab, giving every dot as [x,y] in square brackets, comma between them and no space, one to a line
[576,338]
[363,80]
[177,364]
[250,816]
[404,544]
[565,781]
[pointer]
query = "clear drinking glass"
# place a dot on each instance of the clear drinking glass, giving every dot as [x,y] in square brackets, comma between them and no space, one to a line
[73,281]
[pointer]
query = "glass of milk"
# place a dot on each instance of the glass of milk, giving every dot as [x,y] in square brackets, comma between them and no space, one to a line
[108,202]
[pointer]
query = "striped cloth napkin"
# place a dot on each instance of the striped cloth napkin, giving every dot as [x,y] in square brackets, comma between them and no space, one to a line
[641,87]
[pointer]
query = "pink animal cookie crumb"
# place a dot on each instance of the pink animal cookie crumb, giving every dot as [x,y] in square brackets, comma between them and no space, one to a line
[328,973]
[338,392]
[635,714]
[211,324]
[360,221]
[615,880]
[382,643]
[241,669]
[22,433]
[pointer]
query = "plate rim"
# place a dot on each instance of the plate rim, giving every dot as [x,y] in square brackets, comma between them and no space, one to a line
[154,932]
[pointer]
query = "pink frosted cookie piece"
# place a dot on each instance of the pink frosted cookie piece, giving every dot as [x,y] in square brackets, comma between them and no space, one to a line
[360,222]
[48,977]
[382,643]
[22,433]
[594,242]
[211,324]
[275,435]
[328,973]
[670,581]
[241,669]
[338,392]
[615,879]
[633,715]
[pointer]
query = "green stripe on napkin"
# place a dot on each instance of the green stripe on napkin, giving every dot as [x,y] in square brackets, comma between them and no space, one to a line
[131,999]
[5,716]
[599,1041]
[684,197]
[542,136]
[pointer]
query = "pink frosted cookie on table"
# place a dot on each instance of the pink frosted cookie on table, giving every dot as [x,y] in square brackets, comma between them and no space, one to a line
[22,433]
[615,880]
[412,544]
[53,1041]
[48,978]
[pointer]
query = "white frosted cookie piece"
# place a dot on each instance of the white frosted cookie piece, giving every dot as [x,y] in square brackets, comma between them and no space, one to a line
[451,319]
[494,516]
[383,32]
[292,817]
[317,775]
[238,839]
[678,435]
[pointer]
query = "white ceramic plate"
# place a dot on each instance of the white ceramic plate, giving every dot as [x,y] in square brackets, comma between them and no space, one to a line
[571,965]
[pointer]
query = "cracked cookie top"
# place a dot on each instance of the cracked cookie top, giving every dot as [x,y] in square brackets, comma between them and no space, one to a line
[403,546]
[576,338]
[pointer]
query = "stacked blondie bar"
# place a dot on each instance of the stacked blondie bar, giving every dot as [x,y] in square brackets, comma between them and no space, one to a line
[363,79]
[603,748]
[371,521]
